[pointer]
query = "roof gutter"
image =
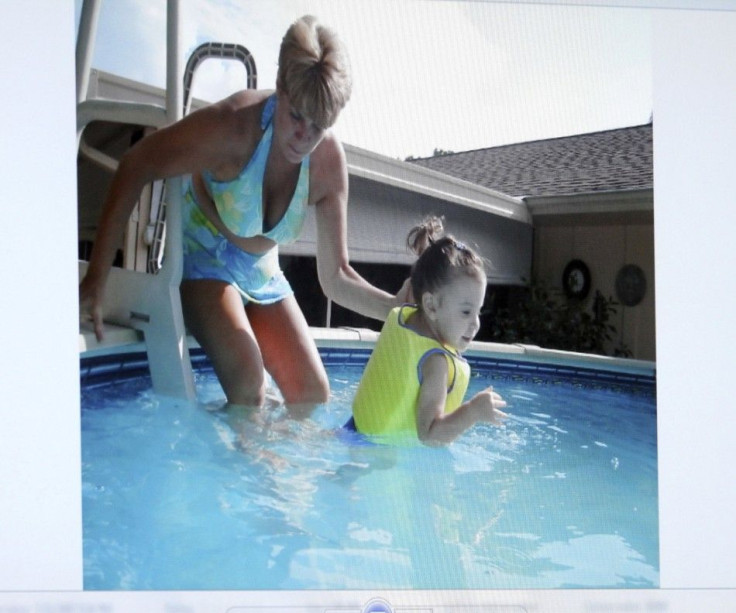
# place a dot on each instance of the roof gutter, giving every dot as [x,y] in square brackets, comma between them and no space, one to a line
[592,203]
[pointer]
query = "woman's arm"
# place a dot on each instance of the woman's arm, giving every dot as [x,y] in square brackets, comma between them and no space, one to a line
[434,427]
[339,281]
[189,145]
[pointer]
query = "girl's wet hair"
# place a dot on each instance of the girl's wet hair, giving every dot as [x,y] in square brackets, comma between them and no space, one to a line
[314,71]
[441,257]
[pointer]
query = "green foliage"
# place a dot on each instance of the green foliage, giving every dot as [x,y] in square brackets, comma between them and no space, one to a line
[547,318]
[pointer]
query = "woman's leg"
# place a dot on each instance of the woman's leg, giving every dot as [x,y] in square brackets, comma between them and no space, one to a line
[214,314]
[290,354]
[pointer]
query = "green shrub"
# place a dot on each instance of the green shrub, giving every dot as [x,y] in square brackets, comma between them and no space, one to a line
[547,318]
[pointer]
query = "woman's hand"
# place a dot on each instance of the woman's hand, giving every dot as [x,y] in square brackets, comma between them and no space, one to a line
[404,295]
[90,304]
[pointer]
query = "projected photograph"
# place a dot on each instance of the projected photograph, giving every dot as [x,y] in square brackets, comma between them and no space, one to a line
[367,295]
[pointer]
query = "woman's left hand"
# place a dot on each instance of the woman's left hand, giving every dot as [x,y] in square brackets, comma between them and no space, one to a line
[405,295]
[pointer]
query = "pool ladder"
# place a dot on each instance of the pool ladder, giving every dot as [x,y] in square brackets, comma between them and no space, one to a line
[149,301]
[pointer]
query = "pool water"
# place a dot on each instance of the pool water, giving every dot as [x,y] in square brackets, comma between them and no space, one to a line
[179,497]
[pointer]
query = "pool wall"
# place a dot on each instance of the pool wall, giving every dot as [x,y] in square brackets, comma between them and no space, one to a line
[123,353]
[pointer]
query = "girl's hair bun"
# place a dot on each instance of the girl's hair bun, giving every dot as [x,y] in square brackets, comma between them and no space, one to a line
[423,235]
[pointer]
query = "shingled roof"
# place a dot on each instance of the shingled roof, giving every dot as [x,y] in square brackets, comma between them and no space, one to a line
[611,160]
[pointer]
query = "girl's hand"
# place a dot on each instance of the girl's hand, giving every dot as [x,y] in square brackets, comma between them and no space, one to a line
[488,405]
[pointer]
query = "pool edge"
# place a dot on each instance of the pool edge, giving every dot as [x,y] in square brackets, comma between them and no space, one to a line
[120,340]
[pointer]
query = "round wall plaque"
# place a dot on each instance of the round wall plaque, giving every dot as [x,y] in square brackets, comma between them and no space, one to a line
[631,285]
[576,279]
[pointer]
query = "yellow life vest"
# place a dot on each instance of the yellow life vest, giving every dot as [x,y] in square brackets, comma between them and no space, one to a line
[386,400]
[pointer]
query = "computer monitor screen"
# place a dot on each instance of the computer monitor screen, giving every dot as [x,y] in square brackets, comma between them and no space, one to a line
[434,81]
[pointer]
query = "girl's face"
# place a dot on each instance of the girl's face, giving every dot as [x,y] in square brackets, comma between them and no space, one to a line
[297,135]
[454,310]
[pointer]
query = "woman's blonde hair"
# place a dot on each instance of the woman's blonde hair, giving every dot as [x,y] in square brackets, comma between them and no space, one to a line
[314,71]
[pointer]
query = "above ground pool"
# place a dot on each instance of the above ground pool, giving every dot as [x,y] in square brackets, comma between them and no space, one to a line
[177,497]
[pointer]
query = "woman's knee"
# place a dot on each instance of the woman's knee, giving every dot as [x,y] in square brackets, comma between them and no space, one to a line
[307,388]
[320,388]
[247,386]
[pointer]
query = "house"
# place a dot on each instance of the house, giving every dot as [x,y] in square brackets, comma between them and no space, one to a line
[590,197]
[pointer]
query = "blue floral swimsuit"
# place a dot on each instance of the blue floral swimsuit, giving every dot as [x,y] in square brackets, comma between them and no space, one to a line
[209,255]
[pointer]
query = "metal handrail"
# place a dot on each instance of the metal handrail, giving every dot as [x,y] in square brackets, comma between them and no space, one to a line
[212,50]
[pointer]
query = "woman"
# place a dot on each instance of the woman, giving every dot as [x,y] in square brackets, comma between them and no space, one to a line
[252,163]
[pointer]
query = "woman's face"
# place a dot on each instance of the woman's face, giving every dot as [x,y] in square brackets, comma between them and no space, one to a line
[296,134]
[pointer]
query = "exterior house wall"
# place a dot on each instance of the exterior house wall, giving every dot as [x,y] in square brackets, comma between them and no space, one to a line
[380,216]
[605,248]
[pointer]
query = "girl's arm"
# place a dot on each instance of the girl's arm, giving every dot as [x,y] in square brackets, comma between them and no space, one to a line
[434,427]
[339,281]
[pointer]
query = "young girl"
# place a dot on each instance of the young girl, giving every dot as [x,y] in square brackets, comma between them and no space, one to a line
[415,379]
